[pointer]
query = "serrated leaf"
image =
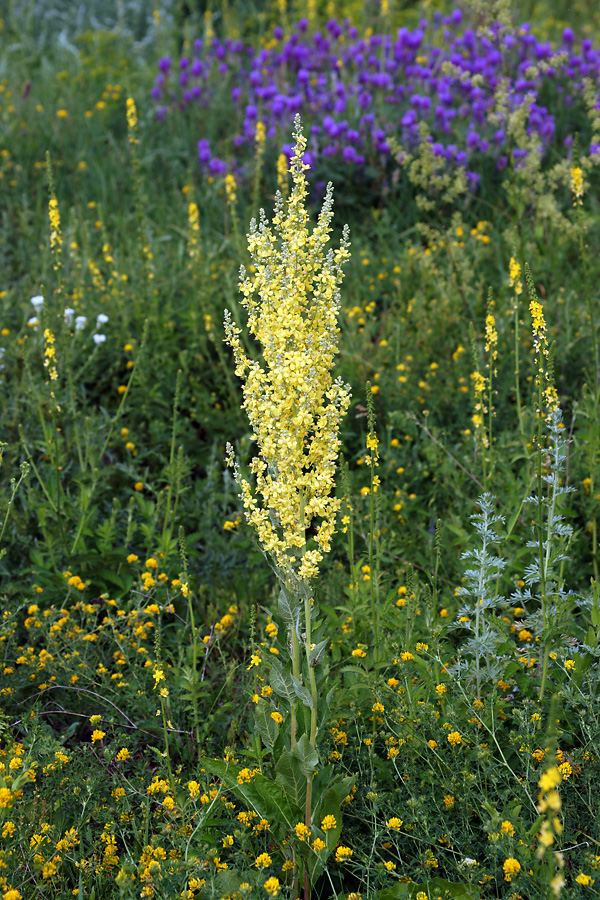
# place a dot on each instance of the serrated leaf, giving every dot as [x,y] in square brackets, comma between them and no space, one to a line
[282,683]
[306,755]
[291,777]
[302,693]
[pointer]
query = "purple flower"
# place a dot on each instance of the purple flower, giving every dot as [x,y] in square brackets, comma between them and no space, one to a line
[204,150]
[568,36]
[164,64]
[217,166]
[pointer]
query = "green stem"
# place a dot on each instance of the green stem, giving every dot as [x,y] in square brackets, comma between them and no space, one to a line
[540,527]
[371,556]
[166,733]
[517,376]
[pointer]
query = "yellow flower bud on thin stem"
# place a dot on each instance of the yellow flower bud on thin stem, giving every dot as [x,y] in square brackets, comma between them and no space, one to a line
[517,285]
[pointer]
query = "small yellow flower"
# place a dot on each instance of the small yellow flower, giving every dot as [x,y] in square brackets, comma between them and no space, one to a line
[132,558]
[123,754]
[343,853]
[263,861]
[277,717]
[97,735]
[328,822]
[318,845]
[454,738]
[394,823]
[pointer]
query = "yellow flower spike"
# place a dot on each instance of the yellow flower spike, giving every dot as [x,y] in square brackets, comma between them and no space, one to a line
[515,276]
[577,185]
[294,406]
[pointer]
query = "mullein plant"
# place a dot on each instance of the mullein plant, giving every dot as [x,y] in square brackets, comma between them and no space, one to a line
[295,408]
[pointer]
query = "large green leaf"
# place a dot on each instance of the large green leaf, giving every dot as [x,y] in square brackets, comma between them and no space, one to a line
[306,755]
[432,889]
[302,693]
[265,797]
[289,609]
[330,806]
[291,778]
[265,725]
[282,683]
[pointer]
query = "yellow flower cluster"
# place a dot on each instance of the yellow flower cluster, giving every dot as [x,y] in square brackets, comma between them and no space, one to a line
[511,868]
[230,190]
[54,216]
[293,404]
[491,336]
[549,802]
[515,276]
[577,185]
[132,119]
[50,354]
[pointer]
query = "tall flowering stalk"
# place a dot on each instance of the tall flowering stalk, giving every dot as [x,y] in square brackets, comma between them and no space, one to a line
[293,403]
[547,532]
[295,408]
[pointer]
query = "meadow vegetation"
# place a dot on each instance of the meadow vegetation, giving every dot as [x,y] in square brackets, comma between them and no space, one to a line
[300,376]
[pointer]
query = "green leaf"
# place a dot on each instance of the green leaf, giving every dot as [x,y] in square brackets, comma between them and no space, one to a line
[354,669]
[291,777]
[265,725]
[302,693]
[306,755]
[228,882]
[318,651]
[265,797]
[432,889]
[282,683]
[330,806]
[591,637]
[288,610]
